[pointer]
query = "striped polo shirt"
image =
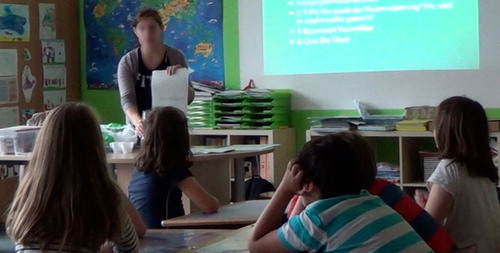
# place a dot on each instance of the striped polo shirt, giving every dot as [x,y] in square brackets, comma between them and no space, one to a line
[350,223]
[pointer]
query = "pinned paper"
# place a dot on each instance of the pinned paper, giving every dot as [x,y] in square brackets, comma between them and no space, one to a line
[29,82]
[14,23]
[53,98]
[27,114]
[170,90]
[26,54]
[8,62]
[9,116]
[53,52]
[8,90]
[54,76]
[47,20]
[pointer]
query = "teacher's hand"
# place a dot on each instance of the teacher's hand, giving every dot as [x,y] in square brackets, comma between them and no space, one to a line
[171,69]
[139,129]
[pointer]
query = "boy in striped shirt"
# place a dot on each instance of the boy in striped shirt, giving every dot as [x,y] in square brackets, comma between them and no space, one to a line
[341,216]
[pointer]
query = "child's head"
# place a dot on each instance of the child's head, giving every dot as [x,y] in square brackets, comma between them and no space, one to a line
[67,194]
[461,133]
[166,141]
[338,164]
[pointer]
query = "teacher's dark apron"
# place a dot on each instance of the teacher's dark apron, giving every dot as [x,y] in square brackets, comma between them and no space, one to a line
[143,83]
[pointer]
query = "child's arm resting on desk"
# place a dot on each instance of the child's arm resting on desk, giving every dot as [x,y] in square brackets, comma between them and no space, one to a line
[201,198]
[265,235]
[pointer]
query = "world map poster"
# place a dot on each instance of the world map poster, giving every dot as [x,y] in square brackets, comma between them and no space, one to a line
[192,26]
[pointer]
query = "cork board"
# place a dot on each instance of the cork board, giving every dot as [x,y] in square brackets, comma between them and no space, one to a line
[66,28]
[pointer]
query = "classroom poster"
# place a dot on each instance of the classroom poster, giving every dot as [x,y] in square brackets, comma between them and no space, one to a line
[8,62]
[53,52]
[9,116]
[193,27]
[14,23]
[8,90]
[53,97]
[47,20]
[28,83]
[54,76]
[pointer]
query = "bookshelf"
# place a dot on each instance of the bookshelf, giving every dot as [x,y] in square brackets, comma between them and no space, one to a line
[408,145]
[273,165]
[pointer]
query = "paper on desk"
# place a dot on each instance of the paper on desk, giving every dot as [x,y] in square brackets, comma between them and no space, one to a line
[199,150]
[170,90]
[235,243]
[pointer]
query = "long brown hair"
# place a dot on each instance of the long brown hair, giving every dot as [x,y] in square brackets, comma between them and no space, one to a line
[462,135]
[166,141]
[338,164]
[67,196]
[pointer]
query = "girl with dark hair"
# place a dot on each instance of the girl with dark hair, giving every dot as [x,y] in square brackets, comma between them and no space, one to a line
[162,170]
[462,194]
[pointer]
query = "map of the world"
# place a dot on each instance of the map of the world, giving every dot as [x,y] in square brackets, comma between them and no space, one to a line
[192,26]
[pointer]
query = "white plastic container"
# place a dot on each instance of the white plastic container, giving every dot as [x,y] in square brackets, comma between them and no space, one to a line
[117,147]
[127,146]
[23,137]
[7,145]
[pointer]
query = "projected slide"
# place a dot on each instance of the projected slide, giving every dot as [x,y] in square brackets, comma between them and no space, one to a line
[335,36]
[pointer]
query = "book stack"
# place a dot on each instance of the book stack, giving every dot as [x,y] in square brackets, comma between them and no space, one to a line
[336,124]
[429,161]
[200,112]
[388,172]
[413,125]
[266,109]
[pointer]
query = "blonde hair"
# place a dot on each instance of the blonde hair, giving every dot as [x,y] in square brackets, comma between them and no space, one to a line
[67,195]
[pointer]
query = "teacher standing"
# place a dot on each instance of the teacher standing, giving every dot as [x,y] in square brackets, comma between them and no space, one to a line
[136,67]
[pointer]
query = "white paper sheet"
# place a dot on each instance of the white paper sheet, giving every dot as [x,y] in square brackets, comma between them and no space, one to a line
[8,90]
[170,90]
[15,22]
[53,52]
[54,76]
[8,62]
[9,116]
[47,20]
[53,98]
[28,83]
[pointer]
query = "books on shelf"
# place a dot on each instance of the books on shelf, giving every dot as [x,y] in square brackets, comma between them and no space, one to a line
[377,127]
[388,172]
[216,141]
[413,125]
[429,162]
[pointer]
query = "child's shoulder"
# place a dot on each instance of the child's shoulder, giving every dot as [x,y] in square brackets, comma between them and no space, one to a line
[333,207]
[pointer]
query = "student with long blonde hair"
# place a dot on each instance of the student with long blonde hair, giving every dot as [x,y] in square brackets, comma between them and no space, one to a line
[67,200]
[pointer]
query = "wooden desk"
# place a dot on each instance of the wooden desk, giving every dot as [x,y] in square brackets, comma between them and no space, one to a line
[230,216]
[174,240]
[156,240]
[235,241]
[213,171]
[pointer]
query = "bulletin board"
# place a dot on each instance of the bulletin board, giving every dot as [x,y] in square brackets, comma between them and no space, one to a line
[44,37]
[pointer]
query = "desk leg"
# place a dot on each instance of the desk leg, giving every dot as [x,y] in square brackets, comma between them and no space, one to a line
[239,179]
[123,175]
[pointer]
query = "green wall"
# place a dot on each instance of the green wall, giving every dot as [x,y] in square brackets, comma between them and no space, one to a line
[107,102]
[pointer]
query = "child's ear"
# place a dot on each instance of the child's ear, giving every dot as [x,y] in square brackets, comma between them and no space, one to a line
[306,188]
